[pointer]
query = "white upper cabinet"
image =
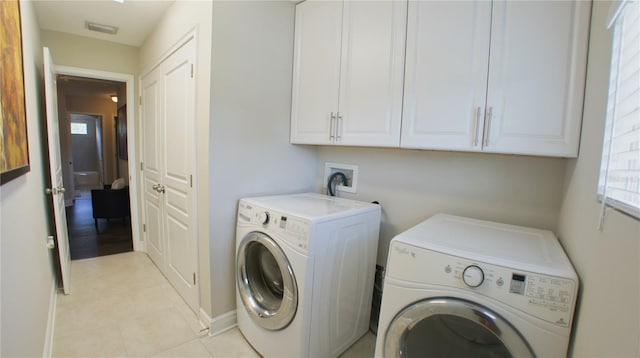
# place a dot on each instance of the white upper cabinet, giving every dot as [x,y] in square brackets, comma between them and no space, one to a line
[501,76]
[446,74]
[348,72]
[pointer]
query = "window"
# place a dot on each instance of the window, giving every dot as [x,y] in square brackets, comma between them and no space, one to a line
[78,128]
[619,184]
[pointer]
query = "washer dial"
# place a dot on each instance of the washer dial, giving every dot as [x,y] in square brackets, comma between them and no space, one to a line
[264,218]
[473,276]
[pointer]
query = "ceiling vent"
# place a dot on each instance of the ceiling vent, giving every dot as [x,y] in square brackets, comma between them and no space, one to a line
[105,29]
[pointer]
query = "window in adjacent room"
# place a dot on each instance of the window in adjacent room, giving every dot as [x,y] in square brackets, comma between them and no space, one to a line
[619,184]
[78,128]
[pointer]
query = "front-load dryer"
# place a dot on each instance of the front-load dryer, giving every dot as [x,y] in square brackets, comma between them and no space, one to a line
[305,272]
[459,287]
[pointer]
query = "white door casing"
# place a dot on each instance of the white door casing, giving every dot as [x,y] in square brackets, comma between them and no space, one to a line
[55,165]
[168,117]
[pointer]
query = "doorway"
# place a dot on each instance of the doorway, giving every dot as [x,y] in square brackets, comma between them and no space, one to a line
[86,238]
[92,112]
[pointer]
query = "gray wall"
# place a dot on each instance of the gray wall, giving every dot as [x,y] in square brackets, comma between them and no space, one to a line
[26,267]
[608,261]
[250,112]
[412,185]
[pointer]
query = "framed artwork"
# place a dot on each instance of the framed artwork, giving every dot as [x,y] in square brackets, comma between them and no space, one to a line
[121,132]
[14,149]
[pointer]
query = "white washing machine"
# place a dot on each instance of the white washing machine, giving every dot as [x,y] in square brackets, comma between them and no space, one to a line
[458,287]
[305,272]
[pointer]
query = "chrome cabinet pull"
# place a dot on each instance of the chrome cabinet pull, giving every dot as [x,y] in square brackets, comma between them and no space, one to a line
[475,127]
[487,125]
[332,126]
[339,126]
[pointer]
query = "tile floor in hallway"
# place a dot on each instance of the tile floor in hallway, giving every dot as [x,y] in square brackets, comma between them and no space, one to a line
[122,306]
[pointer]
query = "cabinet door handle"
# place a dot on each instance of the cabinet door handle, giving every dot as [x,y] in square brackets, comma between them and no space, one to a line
[338,126]
[332,126]
[475,126]
[487,125]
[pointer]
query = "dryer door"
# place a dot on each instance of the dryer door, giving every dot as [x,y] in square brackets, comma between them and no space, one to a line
[450,327]
[265,281]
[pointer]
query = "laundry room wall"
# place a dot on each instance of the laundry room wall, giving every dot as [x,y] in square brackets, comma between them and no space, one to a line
[27,267]
[250,113]
[607,261]
[85,52]
[412,185]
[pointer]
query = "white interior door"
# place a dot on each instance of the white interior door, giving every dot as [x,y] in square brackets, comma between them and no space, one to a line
[178,116]
[168,120]
[151,138]
[55,163]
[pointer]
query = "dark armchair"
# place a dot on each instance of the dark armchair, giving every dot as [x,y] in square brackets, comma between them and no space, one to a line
[110,203]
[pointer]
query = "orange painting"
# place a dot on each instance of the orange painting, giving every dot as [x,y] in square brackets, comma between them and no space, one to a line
[14,152]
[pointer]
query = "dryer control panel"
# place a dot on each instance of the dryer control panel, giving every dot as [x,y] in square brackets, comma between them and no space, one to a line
[293,230]
[547,297]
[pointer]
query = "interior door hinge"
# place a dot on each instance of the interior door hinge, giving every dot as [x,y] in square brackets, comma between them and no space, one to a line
[191,180]
[144,227]
[192,70]
[141,166]
[194,278]
[140,100]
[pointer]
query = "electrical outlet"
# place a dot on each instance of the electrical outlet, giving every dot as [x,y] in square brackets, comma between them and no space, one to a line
[349,170]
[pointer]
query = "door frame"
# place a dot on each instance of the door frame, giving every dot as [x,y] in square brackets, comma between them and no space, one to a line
[129,80]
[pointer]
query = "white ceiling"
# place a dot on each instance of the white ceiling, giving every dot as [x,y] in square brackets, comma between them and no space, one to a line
[134,18]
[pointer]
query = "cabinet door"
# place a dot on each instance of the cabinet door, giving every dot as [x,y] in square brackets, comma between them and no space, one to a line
[372,74]
[536,77]
[316,70]
[446,74]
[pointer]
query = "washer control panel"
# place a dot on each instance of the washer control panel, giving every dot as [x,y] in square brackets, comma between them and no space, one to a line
[293,230]
[547,297]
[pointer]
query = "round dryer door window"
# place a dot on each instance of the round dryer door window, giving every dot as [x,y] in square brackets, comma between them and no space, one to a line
[449,327]
[266,283]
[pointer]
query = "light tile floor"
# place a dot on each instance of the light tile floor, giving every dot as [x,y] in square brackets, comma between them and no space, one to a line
[122,306]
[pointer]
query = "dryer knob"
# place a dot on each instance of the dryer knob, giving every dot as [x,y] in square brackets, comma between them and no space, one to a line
[264,218]
[473,276]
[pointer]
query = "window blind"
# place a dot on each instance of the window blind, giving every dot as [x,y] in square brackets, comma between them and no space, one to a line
[619,183]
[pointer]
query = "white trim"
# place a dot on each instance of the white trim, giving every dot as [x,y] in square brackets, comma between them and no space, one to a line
[138,244]
[190,35]
[615,10]
[220,324]
[51,323]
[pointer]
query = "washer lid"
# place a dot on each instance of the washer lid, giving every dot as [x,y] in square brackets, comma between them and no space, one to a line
[312,206]
[519,247]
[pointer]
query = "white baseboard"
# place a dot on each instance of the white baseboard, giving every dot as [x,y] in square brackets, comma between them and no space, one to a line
[51,323]
[220,323]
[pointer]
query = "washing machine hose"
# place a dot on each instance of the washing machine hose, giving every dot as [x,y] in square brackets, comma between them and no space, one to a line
[332,183]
